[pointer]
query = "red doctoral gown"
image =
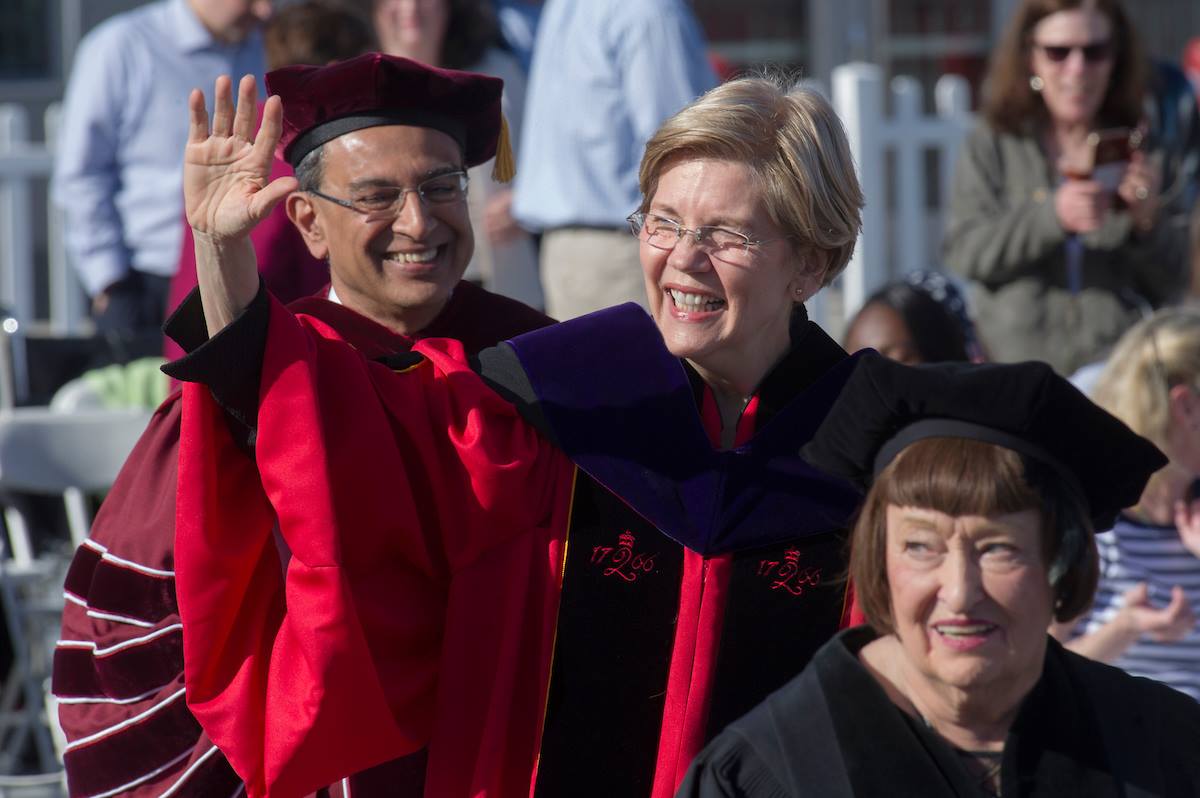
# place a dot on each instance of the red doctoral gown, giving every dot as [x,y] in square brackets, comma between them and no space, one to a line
[118,669]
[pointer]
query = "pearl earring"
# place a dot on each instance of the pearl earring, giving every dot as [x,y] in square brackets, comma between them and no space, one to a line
[1036,83]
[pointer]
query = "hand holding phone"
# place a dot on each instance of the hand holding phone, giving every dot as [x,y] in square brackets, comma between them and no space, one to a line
[1113,145]
[1104,149]
[1140,191]
[1081,205]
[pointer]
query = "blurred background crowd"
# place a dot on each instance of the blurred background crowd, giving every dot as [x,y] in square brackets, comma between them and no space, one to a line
[1067,230]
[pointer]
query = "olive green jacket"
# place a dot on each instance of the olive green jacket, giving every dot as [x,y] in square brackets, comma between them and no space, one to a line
[1004,236]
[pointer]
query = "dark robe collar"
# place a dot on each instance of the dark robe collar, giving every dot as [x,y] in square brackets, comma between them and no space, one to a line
[622,408]
[1084,729]
[810,357]
[881,756]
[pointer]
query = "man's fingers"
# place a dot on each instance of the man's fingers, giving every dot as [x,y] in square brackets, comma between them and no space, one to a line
[222,121]
[270,130]
[197,117]
[247,107]
[264,200]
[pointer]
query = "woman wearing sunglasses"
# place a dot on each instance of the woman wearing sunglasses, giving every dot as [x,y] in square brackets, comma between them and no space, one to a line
[1064,251]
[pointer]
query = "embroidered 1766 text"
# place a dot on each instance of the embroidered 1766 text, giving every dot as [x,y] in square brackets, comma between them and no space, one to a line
[788,575]
[621,559]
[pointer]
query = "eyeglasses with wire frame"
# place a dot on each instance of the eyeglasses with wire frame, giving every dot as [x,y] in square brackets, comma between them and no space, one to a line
[386,202]
[725,245]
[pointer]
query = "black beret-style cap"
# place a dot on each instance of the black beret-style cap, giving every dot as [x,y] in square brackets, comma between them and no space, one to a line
[322,103]
[885,406]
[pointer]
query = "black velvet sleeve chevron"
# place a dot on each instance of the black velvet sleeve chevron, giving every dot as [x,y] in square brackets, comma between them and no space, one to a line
[230,363]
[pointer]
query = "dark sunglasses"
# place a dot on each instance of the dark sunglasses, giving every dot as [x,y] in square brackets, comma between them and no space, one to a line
[1092,53]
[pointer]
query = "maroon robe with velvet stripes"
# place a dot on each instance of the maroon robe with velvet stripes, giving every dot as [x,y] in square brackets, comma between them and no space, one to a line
[118,669]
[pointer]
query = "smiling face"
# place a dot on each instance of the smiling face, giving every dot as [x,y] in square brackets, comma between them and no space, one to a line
[729,321]
[1073,88]
[399,272]
[970,597]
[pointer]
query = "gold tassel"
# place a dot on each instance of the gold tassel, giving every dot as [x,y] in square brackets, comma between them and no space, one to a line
[504,169]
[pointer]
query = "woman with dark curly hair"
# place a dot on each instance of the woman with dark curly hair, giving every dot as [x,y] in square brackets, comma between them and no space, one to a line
[906,324]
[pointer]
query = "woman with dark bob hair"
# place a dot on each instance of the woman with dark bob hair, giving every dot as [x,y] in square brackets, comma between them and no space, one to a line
[976,533]
[1066,241]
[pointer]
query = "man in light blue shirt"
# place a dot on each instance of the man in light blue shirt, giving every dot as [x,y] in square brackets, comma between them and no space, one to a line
[605,75]
[119,162]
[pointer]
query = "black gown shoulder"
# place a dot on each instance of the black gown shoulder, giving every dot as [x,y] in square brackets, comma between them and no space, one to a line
[1086,730]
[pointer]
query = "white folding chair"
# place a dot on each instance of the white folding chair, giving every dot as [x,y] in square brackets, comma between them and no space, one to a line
[64,454]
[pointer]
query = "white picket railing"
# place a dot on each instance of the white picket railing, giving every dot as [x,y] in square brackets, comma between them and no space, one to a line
[905,234]
[24,163]
[898,236]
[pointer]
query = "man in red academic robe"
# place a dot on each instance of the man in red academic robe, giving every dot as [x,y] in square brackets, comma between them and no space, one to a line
[118,669]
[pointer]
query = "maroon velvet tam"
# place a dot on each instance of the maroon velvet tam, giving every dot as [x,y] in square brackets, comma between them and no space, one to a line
[322,103]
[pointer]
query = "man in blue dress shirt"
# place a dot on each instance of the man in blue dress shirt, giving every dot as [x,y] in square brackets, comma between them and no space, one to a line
[605,75]
[119,162]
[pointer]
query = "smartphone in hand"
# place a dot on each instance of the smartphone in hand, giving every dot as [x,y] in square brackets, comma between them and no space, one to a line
[1107,155]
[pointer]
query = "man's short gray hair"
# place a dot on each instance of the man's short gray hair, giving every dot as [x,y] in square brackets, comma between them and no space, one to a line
[311,169]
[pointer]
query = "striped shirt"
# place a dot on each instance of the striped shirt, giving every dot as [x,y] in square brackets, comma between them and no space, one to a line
[1134,552]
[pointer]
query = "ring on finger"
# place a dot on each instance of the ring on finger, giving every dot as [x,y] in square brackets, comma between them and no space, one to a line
[1141,192]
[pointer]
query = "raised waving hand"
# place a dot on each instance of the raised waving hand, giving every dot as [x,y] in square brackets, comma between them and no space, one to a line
[227,191]
[226,168]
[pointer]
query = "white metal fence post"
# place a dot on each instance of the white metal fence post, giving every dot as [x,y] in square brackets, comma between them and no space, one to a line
[19,161]
[952,100]
[68,308]
[909,191]
[16,218]
[858,100]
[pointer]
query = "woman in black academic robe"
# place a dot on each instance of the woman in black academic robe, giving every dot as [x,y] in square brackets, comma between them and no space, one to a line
[977,531]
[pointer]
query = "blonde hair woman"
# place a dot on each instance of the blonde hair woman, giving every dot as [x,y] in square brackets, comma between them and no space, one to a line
[1144,615]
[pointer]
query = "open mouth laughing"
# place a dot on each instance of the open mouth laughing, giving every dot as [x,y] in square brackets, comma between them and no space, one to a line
[689,302]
